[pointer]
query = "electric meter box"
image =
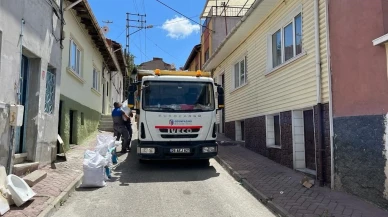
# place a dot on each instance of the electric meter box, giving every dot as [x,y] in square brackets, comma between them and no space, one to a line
[16,113]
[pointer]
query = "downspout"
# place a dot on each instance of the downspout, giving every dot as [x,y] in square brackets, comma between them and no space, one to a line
[61,34]
[330,97]
[319,97]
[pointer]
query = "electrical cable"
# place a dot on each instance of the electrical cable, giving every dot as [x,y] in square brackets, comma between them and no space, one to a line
[184,15]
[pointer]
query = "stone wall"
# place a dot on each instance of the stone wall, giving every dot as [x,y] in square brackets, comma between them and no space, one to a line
[360,156]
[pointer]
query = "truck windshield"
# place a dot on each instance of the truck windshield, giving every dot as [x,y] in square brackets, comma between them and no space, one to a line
[178,96]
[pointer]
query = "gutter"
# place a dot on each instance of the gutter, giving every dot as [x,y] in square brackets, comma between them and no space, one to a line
[237,26]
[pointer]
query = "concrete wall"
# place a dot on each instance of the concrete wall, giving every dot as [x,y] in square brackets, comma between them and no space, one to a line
[222,28]
[40,45]
[360,97]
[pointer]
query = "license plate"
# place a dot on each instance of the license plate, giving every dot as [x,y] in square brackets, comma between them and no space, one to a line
[180,150]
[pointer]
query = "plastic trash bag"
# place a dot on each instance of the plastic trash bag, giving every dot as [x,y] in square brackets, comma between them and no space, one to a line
[125,108]
[94,169]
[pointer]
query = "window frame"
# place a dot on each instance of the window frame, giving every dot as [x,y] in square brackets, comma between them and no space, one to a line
[96,83]
[50,72]
[269,143]
[289,19]
[240,84]
[78,58]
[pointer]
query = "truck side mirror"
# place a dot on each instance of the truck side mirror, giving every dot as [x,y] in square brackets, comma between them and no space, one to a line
[221,98]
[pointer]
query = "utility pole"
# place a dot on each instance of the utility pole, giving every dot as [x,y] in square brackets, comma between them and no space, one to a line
[142,25]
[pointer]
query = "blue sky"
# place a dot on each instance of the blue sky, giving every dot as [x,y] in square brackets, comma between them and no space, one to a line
[172,36]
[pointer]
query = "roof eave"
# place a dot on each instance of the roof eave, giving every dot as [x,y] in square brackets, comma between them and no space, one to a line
[84,12]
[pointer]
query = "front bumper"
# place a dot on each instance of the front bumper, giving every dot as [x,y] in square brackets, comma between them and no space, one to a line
[162,150]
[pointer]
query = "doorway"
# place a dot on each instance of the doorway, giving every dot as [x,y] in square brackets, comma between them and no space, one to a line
[309,143]
[23,90]
[103,98]
[71,129]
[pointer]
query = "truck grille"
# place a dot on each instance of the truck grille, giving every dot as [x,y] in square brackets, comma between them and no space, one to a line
[178,136]
[166,130]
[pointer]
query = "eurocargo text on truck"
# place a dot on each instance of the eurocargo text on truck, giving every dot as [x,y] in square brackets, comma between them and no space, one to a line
[176,113]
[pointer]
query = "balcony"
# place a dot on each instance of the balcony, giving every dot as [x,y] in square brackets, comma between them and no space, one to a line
[221,11]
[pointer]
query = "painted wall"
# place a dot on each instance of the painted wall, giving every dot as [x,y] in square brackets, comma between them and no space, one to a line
[222,27]
[81,86]
[360,93]
[291,86]
[41,30]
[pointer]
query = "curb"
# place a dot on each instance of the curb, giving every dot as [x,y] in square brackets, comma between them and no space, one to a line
[55,203]
[254,191]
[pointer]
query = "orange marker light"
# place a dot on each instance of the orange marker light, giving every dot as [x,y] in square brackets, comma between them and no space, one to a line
[157,72]
[198,73]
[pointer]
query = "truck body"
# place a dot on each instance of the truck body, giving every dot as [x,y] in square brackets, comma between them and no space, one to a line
[176,114]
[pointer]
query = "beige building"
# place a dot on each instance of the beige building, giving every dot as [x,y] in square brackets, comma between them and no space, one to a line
[273,66]
[91,74]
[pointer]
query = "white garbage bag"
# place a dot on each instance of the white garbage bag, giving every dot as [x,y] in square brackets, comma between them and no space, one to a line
[94,170]
[125,108]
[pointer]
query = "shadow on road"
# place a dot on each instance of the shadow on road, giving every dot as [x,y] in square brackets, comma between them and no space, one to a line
[131,171]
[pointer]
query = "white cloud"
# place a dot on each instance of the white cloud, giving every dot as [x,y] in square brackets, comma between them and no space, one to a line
[179,27]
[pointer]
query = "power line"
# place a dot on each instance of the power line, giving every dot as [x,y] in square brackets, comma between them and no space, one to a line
[183,15]
[176,21]
[162,49]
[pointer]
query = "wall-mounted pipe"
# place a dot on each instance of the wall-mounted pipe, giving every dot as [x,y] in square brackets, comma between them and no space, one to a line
[330,98]
[320,131]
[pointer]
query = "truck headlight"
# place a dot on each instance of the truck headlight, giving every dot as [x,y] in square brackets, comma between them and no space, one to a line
[209,149]
[147,150]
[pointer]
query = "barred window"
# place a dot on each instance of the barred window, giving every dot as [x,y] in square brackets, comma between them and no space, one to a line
[50,92]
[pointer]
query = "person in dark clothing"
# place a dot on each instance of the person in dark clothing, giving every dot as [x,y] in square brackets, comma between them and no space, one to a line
[119,126]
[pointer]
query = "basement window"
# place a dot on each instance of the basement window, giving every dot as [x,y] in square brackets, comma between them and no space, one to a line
[273,131]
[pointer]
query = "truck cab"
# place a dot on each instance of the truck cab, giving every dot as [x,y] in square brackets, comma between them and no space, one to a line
[176,114]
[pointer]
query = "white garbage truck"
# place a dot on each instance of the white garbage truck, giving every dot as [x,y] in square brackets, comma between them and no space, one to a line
[176,114]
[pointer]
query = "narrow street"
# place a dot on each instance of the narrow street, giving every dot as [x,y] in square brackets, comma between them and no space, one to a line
[165,189]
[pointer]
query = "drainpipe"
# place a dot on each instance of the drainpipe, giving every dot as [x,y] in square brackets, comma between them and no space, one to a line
[330,98]
[319,98]
[61,34]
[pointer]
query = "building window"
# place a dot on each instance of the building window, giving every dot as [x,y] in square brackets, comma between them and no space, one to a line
[286,42]
[206,54]
[75,58]
[96,80]
[273,130]
[240,73]
[50,92]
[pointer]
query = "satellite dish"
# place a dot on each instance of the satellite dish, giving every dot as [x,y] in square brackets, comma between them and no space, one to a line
[105,29]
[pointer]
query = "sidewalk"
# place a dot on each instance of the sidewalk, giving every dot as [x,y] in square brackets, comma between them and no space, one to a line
[281,186]
[59,183]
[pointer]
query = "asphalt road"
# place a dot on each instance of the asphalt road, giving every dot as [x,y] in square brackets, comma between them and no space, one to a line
[164,189]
